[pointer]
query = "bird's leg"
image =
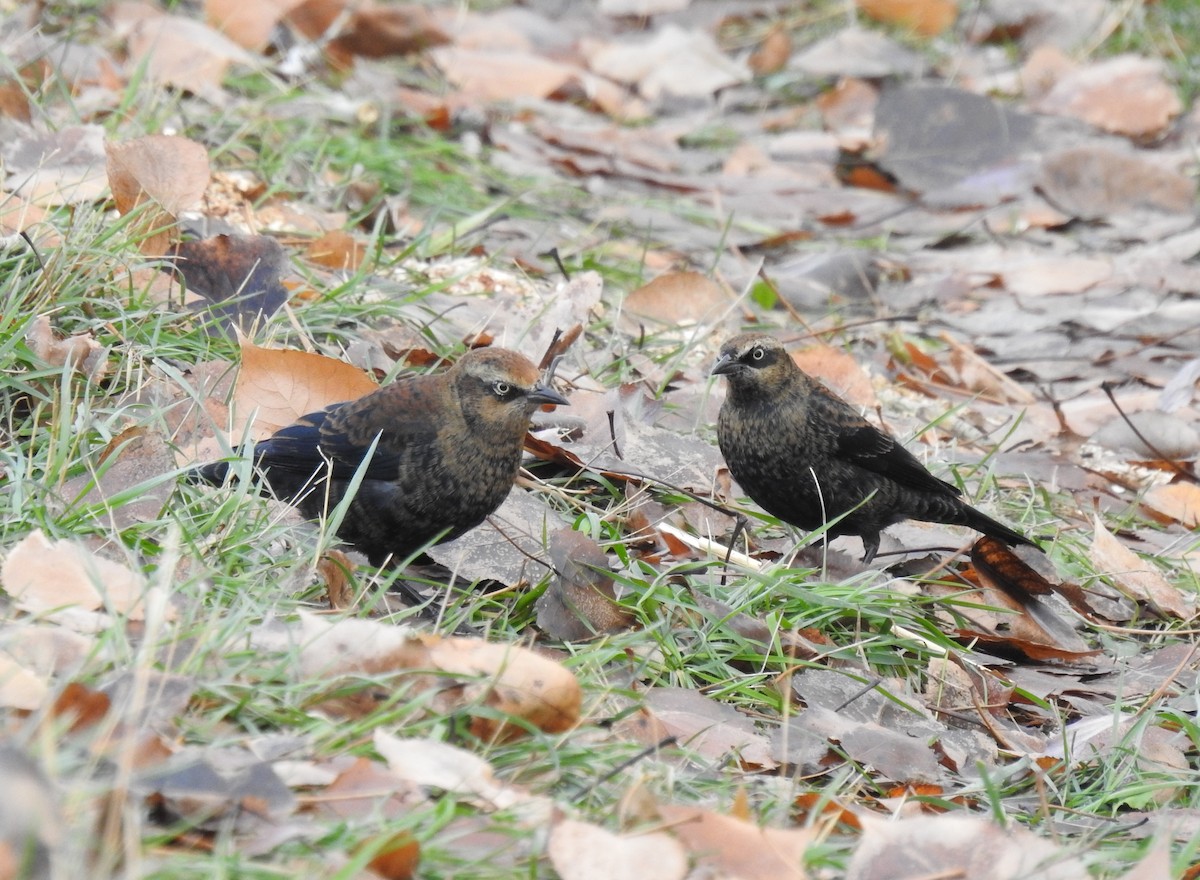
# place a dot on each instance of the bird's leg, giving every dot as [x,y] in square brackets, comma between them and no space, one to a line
[870,546]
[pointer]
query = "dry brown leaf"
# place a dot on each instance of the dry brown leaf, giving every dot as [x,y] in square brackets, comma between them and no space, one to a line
[679,298]
[956,846]
[976,374]
[396,855]
[925,17]
[1126,95]
[62,167]
[141,455]
[1136,577]
[583,851]
[337,249]
[18,215]
[486,76]
[42,575]
[21,688]
[377,31]
[848,110]
[707,726]
[1041,277]
[248,24]
[276,386]
[671,62]
[735,848]
[185,54]
[580,601]
[80,353]
[515,682]
[1098,182]
[1180,501]
[432,764]
[772,53]
[171,173]
[841,371]
[508,679]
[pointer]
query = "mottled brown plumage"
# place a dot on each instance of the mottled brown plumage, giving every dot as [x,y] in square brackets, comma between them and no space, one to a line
[449,449]
[807,457]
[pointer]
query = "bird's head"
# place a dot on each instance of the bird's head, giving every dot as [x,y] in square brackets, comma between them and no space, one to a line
[753,360]
[500,389]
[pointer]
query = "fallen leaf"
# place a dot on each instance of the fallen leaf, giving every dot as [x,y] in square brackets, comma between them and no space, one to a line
[185,54]
[925,17]
[432,764]
[238,277]
[957,846]
[80,353]
[583,851]
[1098,183]
[508,680]
[772,53]
[42,575]
[248,24]
[841,371]
[1138,578]
[1180,501]
[133,487]
[276,386]
[672,62]
[735,848]
[579,602]
[1126,95]
[678,298]
[62,167]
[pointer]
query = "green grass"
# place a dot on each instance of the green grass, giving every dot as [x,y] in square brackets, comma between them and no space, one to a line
[233,562]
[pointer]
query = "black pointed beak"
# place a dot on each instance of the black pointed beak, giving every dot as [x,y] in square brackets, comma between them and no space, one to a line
[725,365]
[543,393]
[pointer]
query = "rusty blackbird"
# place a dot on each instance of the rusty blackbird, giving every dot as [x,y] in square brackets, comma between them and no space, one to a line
[807,457]
[448,451]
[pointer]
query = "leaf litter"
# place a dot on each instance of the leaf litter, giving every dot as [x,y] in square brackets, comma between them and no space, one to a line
[1090,194]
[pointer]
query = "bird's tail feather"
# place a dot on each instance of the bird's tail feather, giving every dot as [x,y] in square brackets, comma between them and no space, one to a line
[981,522]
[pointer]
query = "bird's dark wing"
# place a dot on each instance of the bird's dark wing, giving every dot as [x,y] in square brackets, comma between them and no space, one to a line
[866,446]
[402,415]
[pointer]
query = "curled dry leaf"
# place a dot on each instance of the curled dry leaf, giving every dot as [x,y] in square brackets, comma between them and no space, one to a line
[772,53]
[1096,182]
[514,681]
[580,602]
[80,353]
[976,374]
[169,172]
[248,24]
[509,680]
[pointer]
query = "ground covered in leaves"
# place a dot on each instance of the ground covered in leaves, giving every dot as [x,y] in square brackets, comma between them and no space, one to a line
[977,224]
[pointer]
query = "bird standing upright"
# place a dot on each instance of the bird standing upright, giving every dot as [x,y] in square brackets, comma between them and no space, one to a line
[448,452]
[807,457]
